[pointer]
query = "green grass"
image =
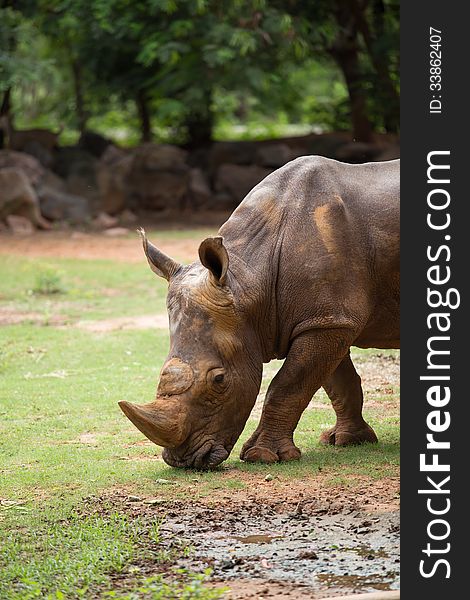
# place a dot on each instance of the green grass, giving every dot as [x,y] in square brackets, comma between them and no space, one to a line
[67,555]
[88,289]
[63,437]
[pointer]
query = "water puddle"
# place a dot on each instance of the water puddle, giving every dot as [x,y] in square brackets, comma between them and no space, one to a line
[256,539]
[348,552]
[356,582]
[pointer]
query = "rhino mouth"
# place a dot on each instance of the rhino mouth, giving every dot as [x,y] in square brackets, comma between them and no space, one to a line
[208,456]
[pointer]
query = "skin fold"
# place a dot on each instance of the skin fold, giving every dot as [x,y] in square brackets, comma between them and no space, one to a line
[306,267]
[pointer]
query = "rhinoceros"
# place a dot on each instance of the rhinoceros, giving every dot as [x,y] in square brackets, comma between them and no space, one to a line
[305,267]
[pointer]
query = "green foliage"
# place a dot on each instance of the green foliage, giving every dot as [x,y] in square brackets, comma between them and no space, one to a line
[70,555]
[48,281]
[66,556]
[157,588]
[23,57]
[205,68]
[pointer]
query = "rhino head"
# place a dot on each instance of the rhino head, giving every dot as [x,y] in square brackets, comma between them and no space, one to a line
[211,377]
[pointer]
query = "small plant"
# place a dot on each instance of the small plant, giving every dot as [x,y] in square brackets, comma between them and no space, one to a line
[49,281]
[189,587]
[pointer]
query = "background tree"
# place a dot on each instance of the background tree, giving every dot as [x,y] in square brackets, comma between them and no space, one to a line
[190,71]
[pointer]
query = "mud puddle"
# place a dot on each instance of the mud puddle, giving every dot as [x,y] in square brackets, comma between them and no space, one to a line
[345,552]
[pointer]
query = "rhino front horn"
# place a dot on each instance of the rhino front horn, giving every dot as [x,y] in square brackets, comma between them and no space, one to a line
[167,430]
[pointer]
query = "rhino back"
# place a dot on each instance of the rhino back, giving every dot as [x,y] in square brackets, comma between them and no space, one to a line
[323,238]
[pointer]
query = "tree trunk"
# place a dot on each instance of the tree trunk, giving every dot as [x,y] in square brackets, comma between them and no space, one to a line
[387,91]
[82,116]
[200,124]
[361,126]
[5,109]
[346,53]
[199,129]
[144,116]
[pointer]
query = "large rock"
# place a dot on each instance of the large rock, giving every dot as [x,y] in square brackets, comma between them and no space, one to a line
[160,157]
[273,155]
[238,180]
[79,170]
[158,177]
[112,176]
[61,206]
[42,154]
[19,225]
[234,153]
[18,198]
[390,152]
[29,165]
[199,188]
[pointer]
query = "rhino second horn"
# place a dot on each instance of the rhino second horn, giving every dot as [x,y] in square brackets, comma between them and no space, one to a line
[160,263]
[152,422]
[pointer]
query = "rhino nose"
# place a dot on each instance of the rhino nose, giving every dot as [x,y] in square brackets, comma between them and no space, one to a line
[176,377]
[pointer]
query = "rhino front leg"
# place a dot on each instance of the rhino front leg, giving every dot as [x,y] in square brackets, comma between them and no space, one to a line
[345,392]
[312,358]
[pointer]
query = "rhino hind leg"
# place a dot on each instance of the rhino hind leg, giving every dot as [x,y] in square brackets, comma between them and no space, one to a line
[345,392]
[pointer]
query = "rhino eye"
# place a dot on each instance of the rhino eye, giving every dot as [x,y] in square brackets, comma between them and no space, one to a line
[219,378]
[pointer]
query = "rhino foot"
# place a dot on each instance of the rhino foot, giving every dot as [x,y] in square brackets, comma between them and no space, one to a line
[257,450]
[348,436]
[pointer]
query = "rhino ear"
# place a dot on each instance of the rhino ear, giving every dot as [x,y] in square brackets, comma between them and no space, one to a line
[160,263]
[214,257]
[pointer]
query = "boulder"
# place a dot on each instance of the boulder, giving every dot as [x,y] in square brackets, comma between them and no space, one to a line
[51,180]
[273,155]
[235,153]
[222,201]
[18,197]
[390,152]
[71,160]
[19,225]
[199,188]
[42,154]
[127,217]
[78,168]
[160,157]
[105,221]
[116,231]
[158,177]
[238,180]
[112,174]
[58,205]
[29,165]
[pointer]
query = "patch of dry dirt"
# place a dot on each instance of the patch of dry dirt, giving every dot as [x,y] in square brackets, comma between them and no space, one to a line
[11,316]
[91,246]
[308,494]
[379,372]
[159,321]
[254,589]
[96,245]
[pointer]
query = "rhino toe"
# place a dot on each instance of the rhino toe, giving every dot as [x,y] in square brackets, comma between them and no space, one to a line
[260,454]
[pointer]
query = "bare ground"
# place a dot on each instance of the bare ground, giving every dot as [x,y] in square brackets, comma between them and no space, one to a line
[274,539]
[93,245]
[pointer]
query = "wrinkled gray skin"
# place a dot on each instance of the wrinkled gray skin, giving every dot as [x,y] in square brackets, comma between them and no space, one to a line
[306,266]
